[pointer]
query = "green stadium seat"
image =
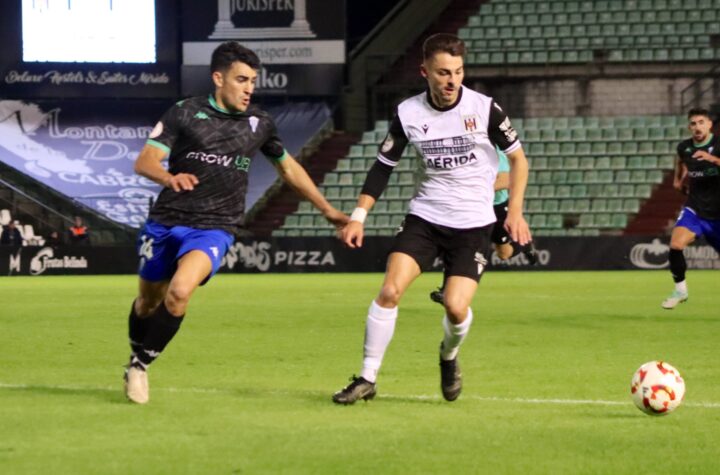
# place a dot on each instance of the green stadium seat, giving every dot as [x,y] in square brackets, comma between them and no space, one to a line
[619,220]
[559,177]
[356,151]
[551,206]
[575,177]
[643,191]
[634,162]
[562,191]
[654,176]
[599,206]
[306,221]
[582,205]
[638,176]
[631,205]
[555,163]
[544,177]
[532,191]
[618,162]
[368,137]
[666,162]
[602,163]
[538,221]
[547,191]
[587,163]
[534,206]
[345,179]
[571,163]
[591,176]
[626,190]
[567,206]
[608,133]
[539,163]
[554,221]
[579,134]
[586,221]
[348,192]
[611,190]
[578,191]
[603,220]
[330,179]
[614,206]
[650,162]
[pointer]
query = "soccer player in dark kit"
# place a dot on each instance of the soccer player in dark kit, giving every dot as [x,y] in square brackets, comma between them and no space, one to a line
[210,141]
[699,165]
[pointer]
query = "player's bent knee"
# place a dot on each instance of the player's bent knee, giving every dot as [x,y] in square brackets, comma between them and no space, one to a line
[389,296]
[456,313]
[178,297]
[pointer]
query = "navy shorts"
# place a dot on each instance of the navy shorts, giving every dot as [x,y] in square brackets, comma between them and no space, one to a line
[160,247]
[709,228]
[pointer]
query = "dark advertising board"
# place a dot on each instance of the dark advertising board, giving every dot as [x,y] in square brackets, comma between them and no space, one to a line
[329,255]
[75,48]
[301,43]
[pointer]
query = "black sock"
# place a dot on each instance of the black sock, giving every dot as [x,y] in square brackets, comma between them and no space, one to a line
[137,329]
[678,266]
[162,328]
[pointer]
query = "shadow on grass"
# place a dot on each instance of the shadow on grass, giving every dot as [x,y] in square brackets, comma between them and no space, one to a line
[107,394]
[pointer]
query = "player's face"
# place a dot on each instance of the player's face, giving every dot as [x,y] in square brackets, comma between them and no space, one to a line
[699,126]
[234,87]
[444,74]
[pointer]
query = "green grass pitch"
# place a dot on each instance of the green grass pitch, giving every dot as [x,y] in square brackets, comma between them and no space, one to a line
[245,386]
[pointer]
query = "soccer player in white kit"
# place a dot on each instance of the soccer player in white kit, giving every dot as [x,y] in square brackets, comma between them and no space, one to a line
[456,130]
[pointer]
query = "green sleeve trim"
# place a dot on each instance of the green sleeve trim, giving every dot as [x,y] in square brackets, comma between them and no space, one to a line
[281,157]
[159,145]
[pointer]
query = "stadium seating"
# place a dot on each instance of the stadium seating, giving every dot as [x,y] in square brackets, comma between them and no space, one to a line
[578,31]
[589,175]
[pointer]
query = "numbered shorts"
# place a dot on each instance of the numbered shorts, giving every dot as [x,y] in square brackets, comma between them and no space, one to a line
[499,234]
[709,228]
[160,247]
[462,250]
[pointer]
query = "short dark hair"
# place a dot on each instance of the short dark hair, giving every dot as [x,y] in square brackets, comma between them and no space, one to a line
[230,52]
[699,111]
[443,43]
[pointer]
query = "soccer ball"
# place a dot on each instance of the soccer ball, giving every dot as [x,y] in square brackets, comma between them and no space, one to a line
[657,388]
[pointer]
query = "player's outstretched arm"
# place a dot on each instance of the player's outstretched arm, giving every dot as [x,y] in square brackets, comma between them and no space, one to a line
[353,233]
[295,175]
[515,223]
[148,164]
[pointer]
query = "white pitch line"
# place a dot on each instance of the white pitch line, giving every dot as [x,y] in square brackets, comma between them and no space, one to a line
[416,397]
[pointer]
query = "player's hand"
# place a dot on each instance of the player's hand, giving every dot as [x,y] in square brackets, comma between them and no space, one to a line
[336,217]
[182,182]
[352,234]
[706,157]
[518,228]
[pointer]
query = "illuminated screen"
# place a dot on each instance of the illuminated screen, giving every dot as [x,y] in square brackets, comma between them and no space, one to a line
[89,31]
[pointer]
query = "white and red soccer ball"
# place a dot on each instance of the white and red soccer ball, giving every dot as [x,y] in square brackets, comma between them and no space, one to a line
[657,388]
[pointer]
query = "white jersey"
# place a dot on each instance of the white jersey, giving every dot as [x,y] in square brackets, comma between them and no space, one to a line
[457,145]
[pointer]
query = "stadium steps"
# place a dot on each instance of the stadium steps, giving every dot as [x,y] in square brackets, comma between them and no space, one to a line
[659,212]
[286,201]
[452,19]
[574,31]
[34,191]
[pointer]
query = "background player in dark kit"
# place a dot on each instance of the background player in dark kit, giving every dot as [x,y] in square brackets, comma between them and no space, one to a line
[697,168]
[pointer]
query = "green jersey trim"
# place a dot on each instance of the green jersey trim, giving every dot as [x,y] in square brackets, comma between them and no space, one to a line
[159,145]
[700,145]
[280,158]
[215,106]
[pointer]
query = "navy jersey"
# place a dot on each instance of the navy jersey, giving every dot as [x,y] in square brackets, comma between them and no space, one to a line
[217,147]
[703,177]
